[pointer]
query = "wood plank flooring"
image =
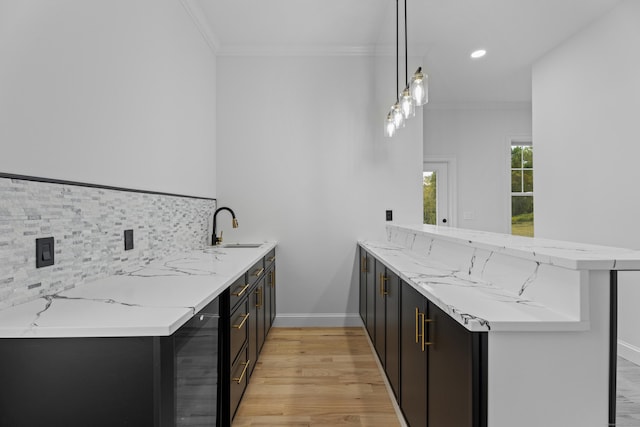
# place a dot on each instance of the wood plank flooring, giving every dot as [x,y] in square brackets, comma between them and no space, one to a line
[316,377]
[628,394]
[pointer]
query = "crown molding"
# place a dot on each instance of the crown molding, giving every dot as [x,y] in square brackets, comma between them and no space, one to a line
[287,50]
[199,19]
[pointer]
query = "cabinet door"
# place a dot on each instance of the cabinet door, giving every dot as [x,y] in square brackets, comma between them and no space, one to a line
[392,352]
[371,294]
[380,312]
[455,373]
[260,314]
[270,298]
[252,339]
[363,285]
[413,358]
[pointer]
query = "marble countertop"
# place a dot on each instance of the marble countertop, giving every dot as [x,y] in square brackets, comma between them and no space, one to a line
[153,300]
[571,255]
[476,304]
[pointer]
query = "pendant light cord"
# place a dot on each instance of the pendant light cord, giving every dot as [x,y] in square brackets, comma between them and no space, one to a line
[397,55]
[406,54]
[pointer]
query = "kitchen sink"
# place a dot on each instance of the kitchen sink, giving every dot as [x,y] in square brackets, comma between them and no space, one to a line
[240,245]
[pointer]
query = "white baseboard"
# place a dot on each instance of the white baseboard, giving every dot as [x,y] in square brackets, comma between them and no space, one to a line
[629,352]
[299,320]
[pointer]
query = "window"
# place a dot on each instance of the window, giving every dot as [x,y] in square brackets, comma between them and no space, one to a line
[429,191]
[522,189]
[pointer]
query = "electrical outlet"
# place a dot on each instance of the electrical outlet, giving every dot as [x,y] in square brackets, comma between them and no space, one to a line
[44,252]
[128,240]
[389,215]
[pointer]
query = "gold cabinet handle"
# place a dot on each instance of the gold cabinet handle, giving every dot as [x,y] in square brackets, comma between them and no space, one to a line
[271,259]
[241,291]
[424,325]
[383,279]
[242,374]
[258,272]
[272,277]
[363,264]
[259,299]
[244,320]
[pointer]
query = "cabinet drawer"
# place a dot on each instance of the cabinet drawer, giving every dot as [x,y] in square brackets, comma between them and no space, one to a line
[239,378]
[239,326]
[238,290]
[269,259]
[256,272]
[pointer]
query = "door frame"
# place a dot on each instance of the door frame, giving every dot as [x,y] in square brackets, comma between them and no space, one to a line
[452,184]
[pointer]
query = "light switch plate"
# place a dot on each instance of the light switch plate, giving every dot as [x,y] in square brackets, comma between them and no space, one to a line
[128,240]
[45,248]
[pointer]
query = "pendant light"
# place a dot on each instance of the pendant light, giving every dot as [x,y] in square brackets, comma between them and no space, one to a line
[419,88]
[414,93]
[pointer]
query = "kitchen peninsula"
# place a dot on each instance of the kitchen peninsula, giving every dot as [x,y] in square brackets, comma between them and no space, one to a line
[535,321]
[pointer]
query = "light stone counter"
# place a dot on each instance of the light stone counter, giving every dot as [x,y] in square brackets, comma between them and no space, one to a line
[152,300]
[546,306]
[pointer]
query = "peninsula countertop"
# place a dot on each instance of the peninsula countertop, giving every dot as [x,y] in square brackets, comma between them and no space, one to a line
[152,300]
[496,282]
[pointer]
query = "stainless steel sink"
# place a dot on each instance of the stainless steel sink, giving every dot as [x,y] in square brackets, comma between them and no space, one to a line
[240,245]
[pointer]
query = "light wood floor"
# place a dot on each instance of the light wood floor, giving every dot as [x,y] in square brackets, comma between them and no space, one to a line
[628,396]
[316,377]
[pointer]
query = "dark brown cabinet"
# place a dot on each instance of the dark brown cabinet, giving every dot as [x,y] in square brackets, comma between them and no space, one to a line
[387,322]
[368,284]
[436,367]
[252,302]
[413,359]
[457,372]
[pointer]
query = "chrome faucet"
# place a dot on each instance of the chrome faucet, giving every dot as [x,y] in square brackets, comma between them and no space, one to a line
[215,240]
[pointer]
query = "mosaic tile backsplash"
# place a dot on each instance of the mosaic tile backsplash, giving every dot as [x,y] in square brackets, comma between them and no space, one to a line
[88,228]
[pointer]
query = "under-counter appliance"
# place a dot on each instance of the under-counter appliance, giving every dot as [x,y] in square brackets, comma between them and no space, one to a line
[196,369]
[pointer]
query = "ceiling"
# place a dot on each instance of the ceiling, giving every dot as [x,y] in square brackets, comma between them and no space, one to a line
[514,32]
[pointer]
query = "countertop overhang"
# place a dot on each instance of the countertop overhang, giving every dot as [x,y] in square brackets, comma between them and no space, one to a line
[497,282]
[152,300]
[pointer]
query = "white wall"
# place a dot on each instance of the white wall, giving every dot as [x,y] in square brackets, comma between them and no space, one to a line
[116,93]
[478,137]
[302,160]
[586,105]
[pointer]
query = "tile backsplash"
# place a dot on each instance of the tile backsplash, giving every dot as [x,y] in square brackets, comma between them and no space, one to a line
[88,228]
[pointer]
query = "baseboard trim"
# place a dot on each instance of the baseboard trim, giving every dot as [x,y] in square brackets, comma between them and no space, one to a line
[629,352]
[295,320]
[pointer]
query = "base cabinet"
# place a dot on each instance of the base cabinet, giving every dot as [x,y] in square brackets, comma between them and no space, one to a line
[413,359]
[436,367]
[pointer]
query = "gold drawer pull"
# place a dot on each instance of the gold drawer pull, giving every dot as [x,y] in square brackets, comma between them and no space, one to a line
[260,298]
[271,259]
[258,272]
[272,277]
[383,279]
[239,293]
[244,371]
[424,322]
[246,316]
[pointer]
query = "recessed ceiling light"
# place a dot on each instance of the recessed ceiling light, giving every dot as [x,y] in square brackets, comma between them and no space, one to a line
[478,53]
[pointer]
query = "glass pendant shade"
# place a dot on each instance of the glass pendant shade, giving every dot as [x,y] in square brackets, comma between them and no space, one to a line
[398,118]
[407,105]
[389,126]
[419,88]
